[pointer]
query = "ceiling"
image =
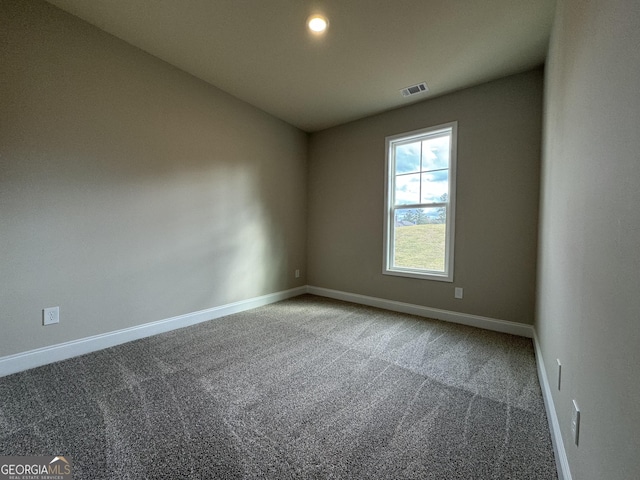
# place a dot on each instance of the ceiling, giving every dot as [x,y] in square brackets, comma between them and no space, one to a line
[261,52]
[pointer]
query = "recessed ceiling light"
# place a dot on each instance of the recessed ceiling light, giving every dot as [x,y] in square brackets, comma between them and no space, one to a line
[317,23]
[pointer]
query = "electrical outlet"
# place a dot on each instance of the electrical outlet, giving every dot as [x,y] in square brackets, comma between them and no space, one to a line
[458,292]
[575,422]
[50,315]
[559,372]
[297,273]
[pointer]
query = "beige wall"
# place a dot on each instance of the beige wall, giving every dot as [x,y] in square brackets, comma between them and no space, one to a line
[499,130]
[130,191]
[589,262]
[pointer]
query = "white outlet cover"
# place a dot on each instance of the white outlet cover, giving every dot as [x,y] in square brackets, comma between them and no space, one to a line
[458,292]
[575,422]
[50,315]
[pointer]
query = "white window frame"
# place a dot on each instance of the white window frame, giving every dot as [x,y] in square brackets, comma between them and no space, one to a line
[390,206]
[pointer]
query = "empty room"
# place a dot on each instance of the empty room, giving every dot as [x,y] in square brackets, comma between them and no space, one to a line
[320,239]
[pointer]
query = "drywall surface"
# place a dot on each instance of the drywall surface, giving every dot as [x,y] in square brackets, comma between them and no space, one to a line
[589,262]
[130,191]
[499,131]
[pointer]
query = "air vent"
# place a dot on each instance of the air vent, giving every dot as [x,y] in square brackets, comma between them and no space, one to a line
[414,89]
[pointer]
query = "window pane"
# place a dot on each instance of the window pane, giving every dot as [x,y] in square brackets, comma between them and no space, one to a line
[408,158]
[435,153]
[407,189]
[435,186]
[419,240]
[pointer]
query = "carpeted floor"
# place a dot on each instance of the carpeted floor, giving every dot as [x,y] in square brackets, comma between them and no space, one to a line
[305,388]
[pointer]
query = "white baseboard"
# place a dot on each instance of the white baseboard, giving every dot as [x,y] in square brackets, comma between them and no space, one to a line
[43,356]
[562,463]
[487,323]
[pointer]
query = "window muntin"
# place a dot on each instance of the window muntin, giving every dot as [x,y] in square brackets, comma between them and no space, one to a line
[420,203]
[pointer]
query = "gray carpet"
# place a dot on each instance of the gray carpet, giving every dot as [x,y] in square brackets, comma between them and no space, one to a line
[305,388]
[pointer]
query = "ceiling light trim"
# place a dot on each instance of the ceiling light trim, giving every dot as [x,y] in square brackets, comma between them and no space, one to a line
[317,24]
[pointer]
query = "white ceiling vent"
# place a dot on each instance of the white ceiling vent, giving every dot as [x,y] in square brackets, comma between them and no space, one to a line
[414,89]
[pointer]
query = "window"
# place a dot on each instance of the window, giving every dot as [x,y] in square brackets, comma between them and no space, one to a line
[420,203]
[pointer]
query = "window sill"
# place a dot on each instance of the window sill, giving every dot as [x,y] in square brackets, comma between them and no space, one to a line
[438,277]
